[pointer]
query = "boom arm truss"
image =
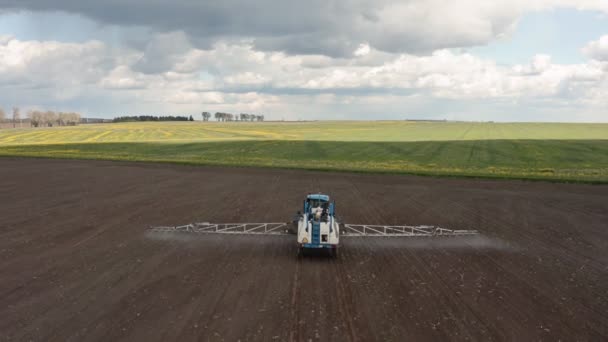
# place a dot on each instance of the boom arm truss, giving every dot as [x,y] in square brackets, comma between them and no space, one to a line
[378,230]
[357,230]
[226,228]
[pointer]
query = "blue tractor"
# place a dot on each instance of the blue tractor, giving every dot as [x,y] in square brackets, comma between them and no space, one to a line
[317,227]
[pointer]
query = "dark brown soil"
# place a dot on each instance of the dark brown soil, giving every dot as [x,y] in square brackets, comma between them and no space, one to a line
[76,263]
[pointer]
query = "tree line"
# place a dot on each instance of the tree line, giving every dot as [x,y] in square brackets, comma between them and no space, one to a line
[152,118]
[50,118]
[219,116]
[38,118]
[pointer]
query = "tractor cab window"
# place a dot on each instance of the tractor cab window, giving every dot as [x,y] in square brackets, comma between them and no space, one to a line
[317,203]
[319,209]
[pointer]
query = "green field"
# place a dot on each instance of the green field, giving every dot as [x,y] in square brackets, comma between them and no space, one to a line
[568,152]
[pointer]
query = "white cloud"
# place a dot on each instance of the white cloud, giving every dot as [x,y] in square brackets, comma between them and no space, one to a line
[247,79]
[123,77]
[40,64]
[234,76]
[597,49]
[362,50]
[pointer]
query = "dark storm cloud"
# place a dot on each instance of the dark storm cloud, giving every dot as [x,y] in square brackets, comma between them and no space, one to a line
[333,28]
[268,20]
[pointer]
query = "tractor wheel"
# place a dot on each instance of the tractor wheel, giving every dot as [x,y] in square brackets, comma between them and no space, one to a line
[334,253]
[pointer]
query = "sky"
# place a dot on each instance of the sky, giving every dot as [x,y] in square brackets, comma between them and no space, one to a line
[532,60]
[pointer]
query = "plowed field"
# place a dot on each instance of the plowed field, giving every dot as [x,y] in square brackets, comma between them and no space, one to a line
[76,263]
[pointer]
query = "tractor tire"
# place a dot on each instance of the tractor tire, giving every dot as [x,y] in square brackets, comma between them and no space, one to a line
[333,253]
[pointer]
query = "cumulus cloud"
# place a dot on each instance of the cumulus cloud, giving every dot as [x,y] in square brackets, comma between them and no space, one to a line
[231,71]
[122,77]
[50,63]
[444,73]
[317,27]
[597,49]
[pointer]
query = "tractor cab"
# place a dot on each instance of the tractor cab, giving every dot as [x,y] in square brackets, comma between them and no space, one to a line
[318,208]
[317,226]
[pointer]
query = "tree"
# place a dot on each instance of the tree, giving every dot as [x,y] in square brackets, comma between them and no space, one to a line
[16,116]
[62,118]
[37,118]
[72,119]
[51,118]
[219,116]
[206,116]
[190,118]
[2,116]
[33,116]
